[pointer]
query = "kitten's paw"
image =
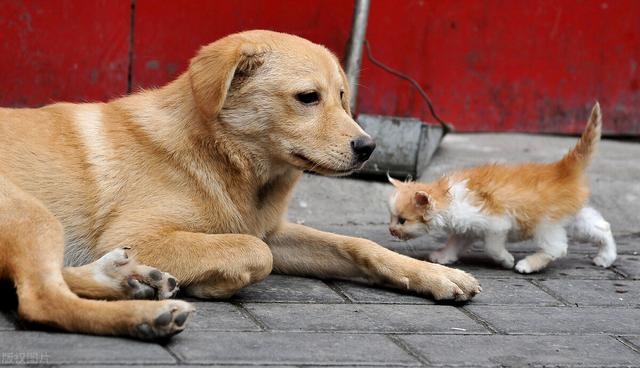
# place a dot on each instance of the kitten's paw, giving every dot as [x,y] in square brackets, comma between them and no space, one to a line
[524,267]
[533,263]
[443,257]
[507,261]
[604,260]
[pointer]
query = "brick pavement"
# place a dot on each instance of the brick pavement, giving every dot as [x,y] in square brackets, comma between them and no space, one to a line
[573,314]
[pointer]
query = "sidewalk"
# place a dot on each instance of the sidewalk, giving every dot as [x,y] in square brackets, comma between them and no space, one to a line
[572,314]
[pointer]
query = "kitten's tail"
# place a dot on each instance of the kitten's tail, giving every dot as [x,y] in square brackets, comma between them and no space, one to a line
[580,156]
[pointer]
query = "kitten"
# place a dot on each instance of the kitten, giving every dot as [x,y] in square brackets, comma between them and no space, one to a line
[501,202]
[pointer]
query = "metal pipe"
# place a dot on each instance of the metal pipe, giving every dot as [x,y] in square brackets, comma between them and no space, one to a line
[354,51]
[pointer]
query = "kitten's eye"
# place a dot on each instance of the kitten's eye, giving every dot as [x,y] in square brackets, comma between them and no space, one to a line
[401,220]
[308,98]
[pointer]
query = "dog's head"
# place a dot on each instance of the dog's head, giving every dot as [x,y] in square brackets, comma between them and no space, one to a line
[285,95]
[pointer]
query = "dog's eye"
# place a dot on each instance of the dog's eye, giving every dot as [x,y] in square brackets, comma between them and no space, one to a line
[401,220]
[308,98]
[341,95]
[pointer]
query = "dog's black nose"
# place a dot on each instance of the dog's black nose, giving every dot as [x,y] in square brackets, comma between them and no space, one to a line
[363,147]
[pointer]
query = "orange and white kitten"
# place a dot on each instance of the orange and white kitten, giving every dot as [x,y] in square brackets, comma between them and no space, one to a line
[495,203]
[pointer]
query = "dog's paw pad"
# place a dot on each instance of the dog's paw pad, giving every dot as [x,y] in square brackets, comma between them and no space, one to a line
[170,321]
[119,270]
[172,283]
[139,290]
[163,285]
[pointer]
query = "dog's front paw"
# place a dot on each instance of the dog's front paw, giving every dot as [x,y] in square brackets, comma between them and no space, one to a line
[468,285]
[445,283]
[134,280]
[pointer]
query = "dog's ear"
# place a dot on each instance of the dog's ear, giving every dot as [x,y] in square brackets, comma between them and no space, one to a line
[346,98]
[212,70]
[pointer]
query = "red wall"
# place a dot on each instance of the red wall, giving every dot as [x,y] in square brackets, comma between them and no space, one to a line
[62,50]
[488,65]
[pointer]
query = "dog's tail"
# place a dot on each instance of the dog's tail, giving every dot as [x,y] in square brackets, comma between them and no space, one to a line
[580,156]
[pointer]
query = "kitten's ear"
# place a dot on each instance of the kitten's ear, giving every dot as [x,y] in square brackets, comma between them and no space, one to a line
[396,183]
[422,199]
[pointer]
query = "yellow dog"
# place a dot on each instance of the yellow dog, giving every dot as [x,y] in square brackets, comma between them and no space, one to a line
[194,178]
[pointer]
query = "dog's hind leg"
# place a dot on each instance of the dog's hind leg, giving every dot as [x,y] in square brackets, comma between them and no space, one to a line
[31,254]
[590,226]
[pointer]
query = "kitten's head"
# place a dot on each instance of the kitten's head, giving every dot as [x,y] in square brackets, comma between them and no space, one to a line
[413,206]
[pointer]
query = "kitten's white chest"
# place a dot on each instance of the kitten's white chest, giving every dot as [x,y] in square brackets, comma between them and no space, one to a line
[465,216]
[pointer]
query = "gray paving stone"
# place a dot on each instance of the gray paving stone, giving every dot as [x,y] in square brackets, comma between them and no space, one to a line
[221,333]
[560,320]
[483,268]
[512,291]
[6,321]
[217,316]
[61,348]
[365,318]
[635,340]
[331,201]
[509,290]
[288,348]
[379,233]
[520,351]
[351,366]
[279,288]
[574,266]
[629,265]
[596,292]
[626,244]
[182,365]
[377,295]
[577,265]
[348,366]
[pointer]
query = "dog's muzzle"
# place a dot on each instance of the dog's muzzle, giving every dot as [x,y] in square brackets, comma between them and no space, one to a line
[363,147]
